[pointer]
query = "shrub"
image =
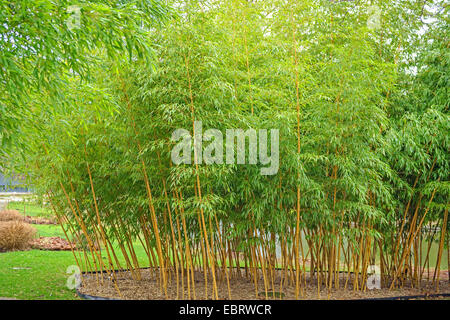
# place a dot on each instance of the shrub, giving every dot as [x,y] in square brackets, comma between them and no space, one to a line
[11,215]
[15,235]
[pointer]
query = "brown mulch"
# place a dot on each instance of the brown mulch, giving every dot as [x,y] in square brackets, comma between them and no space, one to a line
[50,243]
[242,288]
[14,215]
[38,220]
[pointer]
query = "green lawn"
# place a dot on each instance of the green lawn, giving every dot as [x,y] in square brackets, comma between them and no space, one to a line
[37,274]
[44,230]
[29,208]
[42,275]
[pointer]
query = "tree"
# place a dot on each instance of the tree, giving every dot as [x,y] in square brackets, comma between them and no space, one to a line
[44,41]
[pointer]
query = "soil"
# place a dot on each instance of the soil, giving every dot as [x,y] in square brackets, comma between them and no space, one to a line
[242,288]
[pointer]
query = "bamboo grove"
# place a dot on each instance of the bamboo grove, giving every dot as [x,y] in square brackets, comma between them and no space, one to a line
[363,160]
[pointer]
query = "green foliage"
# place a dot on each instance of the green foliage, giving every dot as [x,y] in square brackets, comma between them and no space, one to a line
[368,128]
[39,48]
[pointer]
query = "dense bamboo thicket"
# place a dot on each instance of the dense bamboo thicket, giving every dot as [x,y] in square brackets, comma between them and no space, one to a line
[362,114]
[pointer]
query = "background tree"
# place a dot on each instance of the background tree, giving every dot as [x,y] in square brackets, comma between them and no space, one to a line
[43,41]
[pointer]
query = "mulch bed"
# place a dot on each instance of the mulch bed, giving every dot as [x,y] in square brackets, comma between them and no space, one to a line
[241,288]
[50,243]
[38,220]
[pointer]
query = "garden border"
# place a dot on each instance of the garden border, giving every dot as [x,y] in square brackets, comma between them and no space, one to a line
[89,297]
[434,295]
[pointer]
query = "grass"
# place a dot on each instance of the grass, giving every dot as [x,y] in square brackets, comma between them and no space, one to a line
[36,275]
[44,230]
[41,275]
[29,208]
